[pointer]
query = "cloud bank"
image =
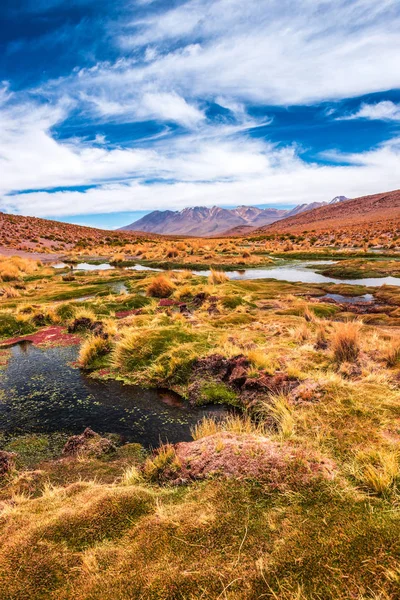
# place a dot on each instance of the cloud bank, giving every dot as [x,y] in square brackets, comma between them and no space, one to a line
[181,112]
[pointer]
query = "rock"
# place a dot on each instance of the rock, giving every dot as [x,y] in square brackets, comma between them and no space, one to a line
[308,391]
[39,320]
[234,373]
[199,299]
[247,456]
[86,324]
[219,367]
[266,384]
[89,443]
[7,462]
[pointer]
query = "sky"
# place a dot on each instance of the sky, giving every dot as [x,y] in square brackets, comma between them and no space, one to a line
[110,109]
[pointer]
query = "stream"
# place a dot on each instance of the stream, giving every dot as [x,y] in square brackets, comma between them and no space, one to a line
[42,392]
[293,271]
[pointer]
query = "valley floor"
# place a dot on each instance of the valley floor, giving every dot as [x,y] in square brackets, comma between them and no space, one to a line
[291,492]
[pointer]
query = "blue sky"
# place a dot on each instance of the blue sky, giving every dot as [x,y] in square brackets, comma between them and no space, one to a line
[113,108]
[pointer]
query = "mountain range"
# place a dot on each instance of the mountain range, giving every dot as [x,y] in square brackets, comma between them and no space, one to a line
[203,221]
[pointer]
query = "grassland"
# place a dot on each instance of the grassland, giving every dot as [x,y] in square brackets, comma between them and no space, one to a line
[295,496]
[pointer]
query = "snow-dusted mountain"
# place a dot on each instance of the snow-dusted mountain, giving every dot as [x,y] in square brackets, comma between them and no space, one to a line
[203,221]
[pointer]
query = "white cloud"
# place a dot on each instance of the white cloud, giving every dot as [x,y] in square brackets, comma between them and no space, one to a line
[260,51]
[128,105]
[271,51]
[206,169]
[276,52]
[380,111]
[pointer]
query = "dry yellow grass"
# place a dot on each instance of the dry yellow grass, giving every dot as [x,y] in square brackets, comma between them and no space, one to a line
[160,286]
[217,277]
[9,292]
[391,354]
[91,349]
[232,423]
[345,342]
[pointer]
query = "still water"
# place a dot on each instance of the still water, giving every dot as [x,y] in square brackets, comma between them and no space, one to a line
[293,271]
[42,392]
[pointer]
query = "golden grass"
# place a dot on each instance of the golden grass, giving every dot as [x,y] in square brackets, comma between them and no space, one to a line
[376,470]
[345,341]
[160,286]
[391,354]
[91,349]
[131,476]
[262,361]
[15,267]
[232,423]
[277,410]
[217,277]
[165,460]
[9,292]
[119,257]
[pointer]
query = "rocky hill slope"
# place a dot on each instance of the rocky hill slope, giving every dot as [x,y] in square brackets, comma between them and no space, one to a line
[377,210]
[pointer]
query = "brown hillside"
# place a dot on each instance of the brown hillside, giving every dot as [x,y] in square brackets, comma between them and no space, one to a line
[31,234]
[381,211]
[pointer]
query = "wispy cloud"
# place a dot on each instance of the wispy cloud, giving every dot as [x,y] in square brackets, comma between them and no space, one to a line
[380,111]
[201,71]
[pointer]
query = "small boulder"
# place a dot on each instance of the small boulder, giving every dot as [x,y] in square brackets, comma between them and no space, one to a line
[199,299]
[89,443]
[7,462]
[247,456]
[86,324]
[307,392]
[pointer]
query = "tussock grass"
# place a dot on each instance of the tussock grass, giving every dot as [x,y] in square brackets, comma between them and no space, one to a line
[15,267]
[262,361]
[9,292]
[85,313]
[391,354]
[131,476]
[160,286]
[345,342]
[232,423]
[376,470]
[158,352]
[277,410]
[91,350]
[165,461]
[217,277]
[119,257]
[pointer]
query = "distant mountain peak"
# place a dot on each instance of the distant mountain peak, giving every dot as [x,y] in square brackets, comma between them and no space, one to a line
[338,199]
[214,220]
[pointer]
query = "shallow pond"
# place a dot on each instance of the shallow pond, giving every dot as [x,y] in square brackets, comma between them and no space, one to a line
[348,299]
[41,392]
[292,271]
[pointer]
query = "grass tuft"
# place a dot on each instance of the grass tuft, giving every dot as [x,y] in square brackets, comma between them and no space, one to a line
[346,342]
[160,286]
[93,348]
[217,277]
